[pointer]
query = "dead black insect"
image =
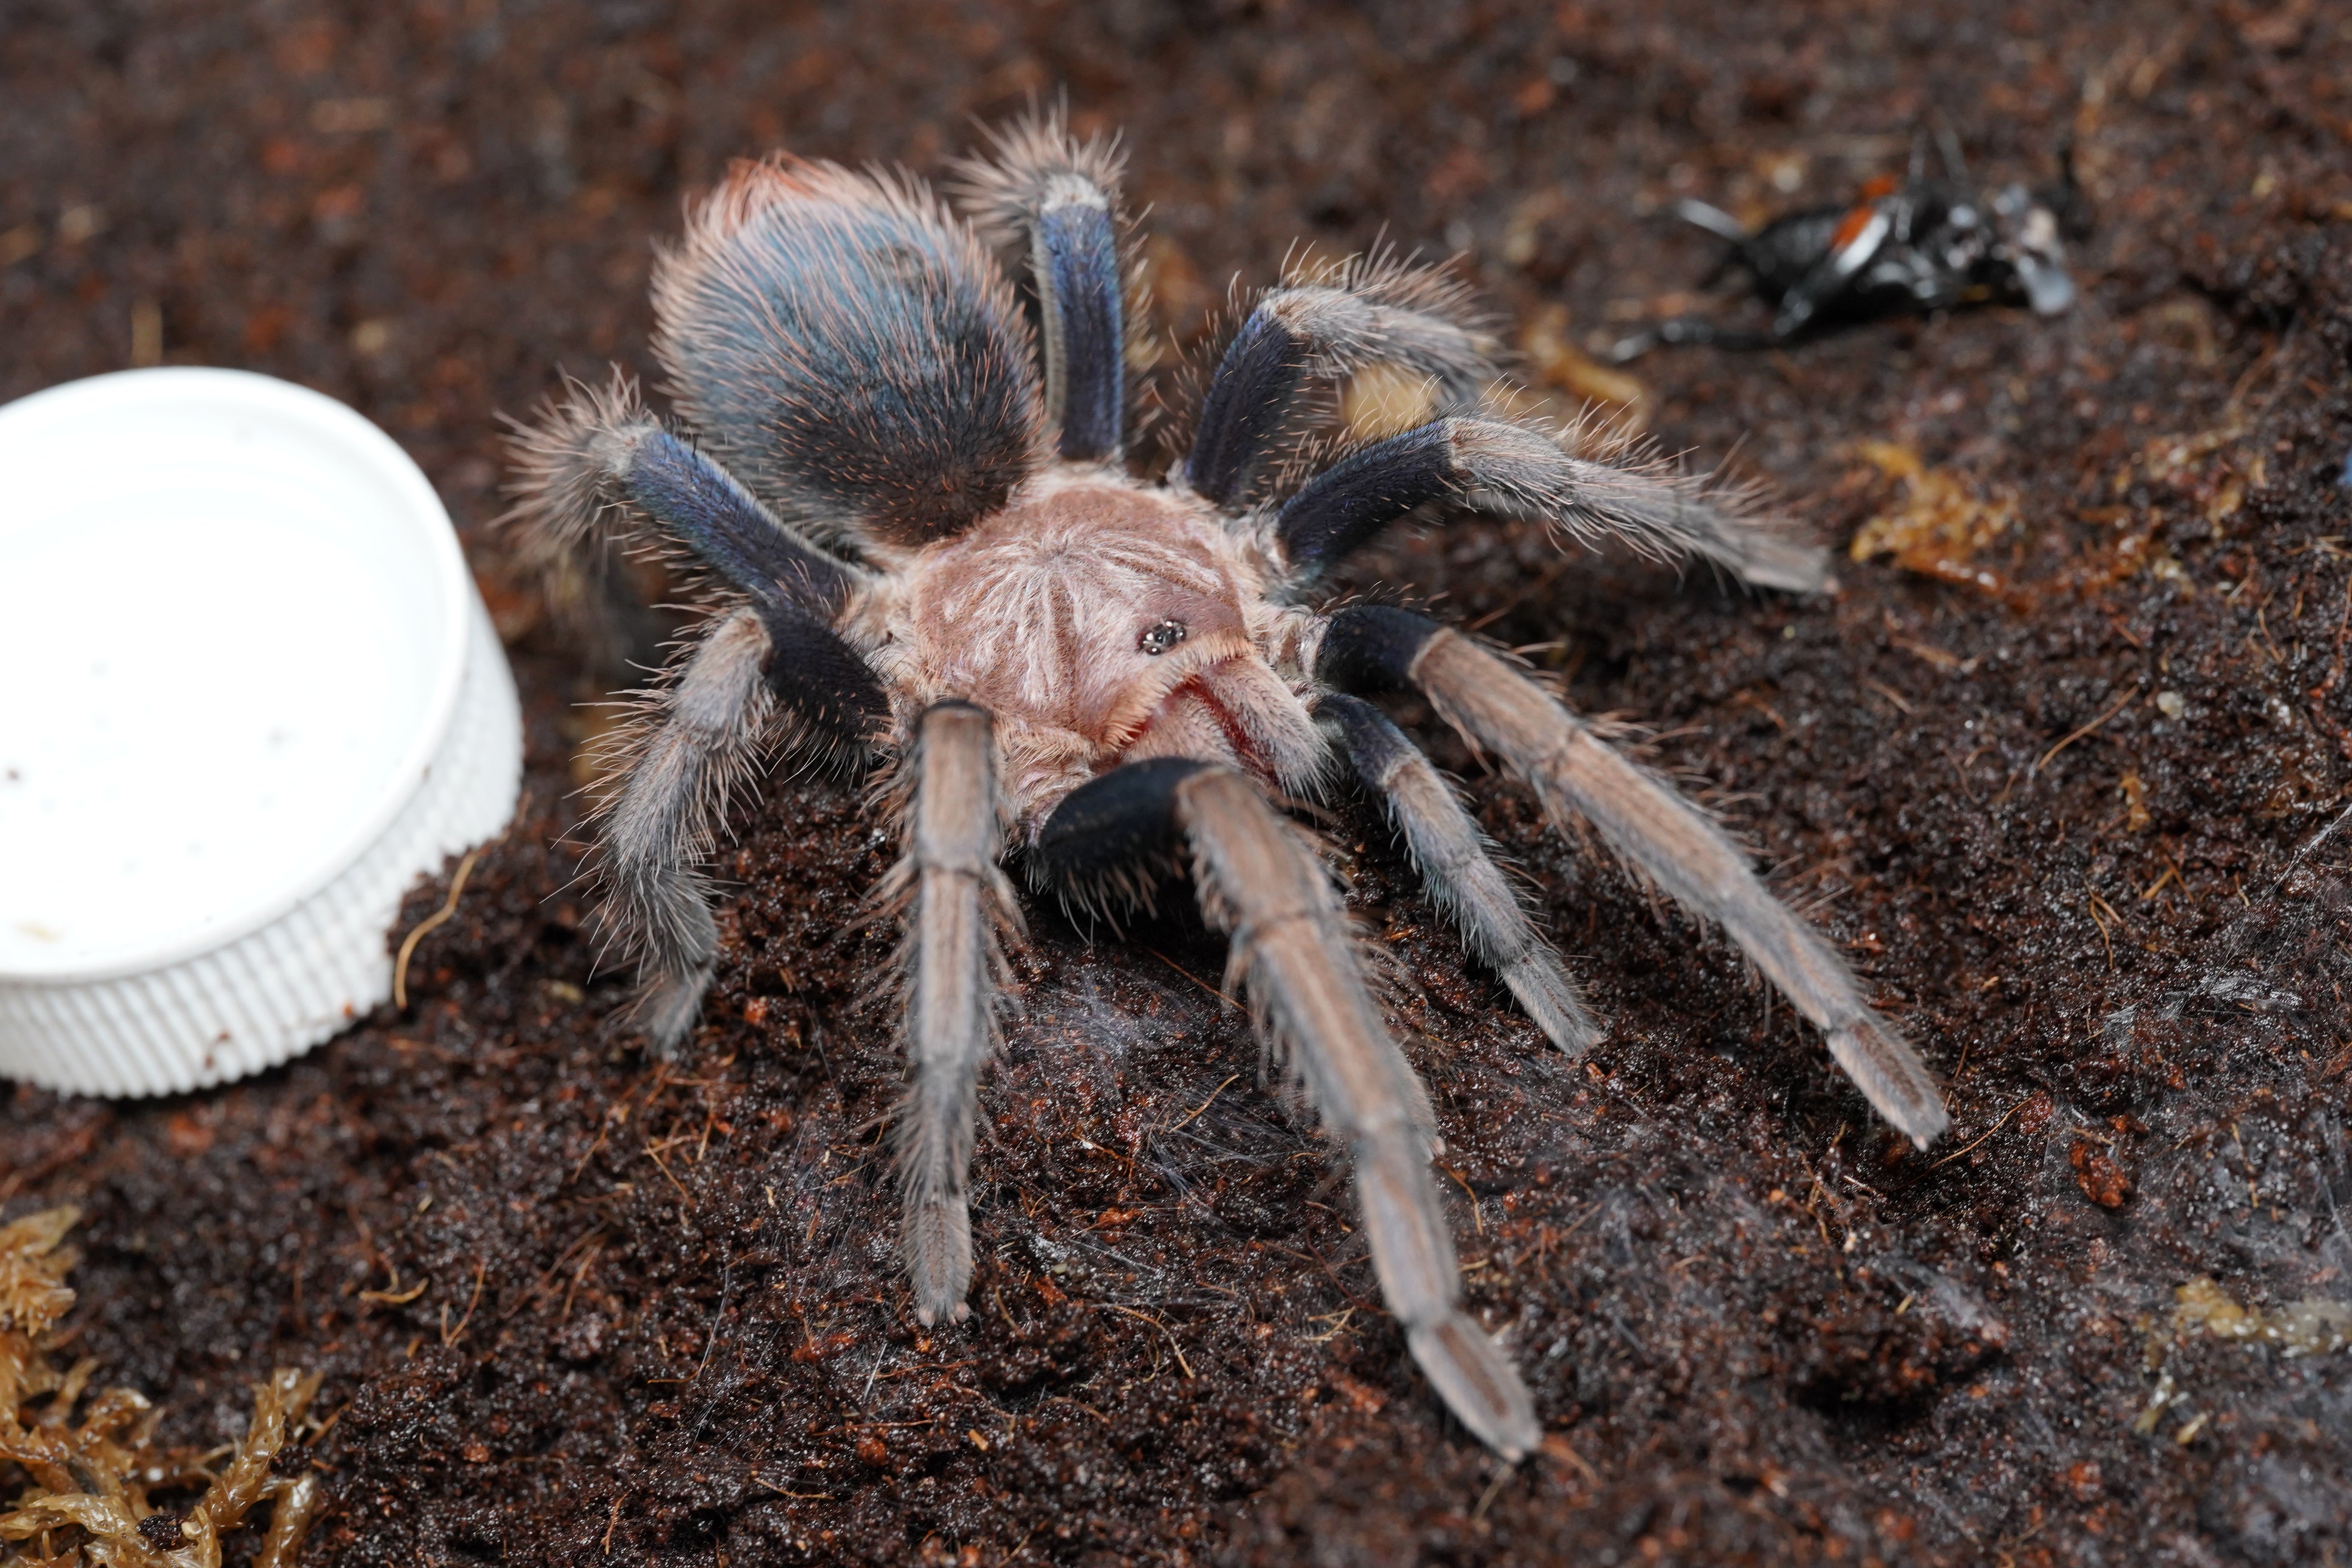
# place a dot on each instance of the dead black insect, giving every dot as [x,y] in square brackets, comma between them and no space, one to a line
[1903,247]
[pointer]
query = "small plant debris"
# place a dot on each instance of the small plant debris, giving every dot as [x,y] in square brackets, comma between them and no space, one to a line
[2099,1176]
[1939,523]
[2313,1326]
[90,1483]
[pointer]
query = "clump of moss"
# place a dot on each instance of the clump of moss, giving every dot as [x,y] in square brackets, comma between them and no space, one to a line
[90,1477]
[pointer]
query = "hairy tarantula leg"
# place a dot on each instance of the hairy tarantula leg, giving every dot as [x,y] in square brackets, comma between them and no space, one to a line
[1056,197]
[660,828]
[1290,944]
[1457,863]
[1378,316]
[1113,836]
[1495,706]
[712,723]
[599,462]
[1520,472]
[958,906]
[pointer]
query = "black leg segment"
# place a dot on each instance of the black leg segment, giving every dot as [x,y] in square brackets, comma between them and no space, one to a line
[819,680]
[1517,470]
[1342,507]
[1376,747]
[1247,401]
[1372,647]
[1056,198]
[700,504]
[1074,257]
[1115,833]
[1366,313]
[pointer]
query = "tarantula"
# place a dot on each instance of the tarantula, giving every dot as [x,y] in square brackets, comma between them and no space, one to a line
[928,549]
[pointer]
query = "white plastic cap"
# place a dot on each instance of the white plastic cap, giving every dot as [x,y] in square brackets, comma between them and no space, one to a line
[247,694]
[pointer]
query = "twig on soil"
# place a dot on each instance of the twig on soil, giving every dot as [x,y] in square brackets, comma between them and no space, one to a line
[449,1337]
[2095,906]
[391,1295]
[1501,1475]
[652,1153]
[2121,703]
[416,934]
[613,1113]
[1988,1132]
[787,1491]
[586,1262]
[1190,976]
[1475,1218]
[1161,1327]
[1080,1403]
[1537,586]
[1311,1256]
[561,1257]
[1559,1448]
[1205,1104]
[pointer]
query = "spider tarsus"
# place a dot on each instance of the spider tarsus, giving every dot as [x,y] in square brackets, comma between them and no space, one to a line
[1577,775]
[1476,1379]
[667,1007]
[1554,1002]
[1891,1077]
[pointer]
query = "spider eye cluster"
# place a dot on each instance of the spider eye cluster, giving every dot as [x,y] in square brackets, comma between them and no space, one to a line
[1162,636]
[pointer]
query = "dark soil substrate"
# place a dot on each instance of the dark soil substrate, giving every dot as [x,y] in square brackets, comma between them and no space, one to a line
[662,1317]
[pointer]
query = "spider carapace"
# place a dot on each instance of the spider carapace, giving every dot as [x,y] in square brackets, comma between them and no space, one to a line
[925,552]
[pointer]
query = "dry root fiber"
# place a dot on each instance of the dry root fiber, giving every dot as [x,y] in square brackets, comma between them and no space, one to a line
[84,1487]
